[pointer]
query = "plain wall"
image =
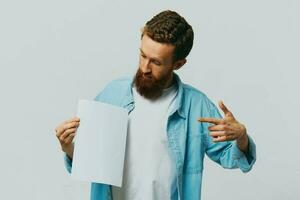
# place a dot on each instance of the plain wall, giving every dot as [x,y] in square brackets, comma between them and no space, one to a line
[53,53]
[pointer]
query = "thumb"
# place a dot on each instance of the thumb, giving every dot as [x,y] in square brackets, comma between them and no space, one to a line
[224,108]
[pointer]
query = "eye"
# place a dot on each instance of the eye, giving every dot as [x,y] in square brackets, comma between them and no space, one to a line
[156,62]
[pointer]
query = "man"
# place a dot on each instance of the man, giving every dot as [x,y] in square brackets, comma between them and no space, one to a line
[171,124]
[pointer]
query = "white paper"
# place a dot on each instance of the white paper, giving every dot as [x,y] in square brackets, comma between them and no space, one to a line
[100,143]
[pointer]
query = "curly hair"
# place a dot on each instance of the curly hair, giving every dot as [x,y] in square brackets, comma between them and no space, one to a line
[169,27]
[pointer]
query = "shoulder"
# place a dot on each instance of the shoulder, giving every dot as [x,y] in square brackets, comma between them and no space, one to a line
[192,91]
[195,95]
[115,88]
[198,100]
[119,83]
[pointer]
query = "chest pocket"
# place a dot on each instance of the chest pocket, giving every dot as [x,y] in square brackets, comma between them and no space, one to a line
[193,163]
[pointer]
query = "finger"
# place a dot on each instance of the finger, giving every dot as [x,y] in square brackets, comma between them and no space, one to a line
[62,128]
[224,108]
[72,119]
[217,133]
[67,133]
[210,120]
[69,139]
[59,131]
[219,127]
[73,124]
[223,138]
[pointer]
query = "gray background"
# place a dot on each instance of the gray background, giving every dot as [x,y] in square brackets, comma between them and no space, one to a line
[53,53]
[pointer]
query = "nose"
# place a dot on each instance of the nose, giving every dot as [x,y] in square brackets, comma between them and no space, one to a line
[145,66]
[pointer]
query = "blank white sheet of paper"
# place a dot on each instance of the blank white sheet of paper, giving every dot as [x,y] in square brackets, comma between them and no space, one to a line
[100,143]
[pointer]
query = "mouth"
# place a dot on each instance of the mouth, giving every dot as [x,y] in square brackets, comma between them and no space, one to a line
[147,77]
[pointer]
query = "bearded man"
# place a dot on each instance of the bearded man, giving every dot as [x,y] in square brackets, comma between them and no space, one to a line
[171,124]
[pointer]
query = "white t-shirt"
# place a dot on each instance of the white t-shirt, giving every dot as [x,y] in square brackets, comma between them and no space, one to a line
[149,172]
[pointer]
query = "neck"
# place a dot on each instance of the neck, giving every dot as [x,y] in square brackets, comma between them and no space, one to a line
[169,82]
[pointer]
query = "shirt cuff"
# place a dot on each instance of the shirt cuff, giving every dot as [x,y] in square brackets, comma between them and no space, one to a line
[68,163]
[245,161]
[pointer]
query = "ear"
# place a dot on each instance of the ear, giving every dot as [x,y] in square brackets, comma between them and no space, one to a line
[179,63]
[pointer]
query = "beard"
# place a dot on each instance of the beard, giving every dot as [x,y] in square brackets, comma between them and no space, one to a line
[148,86]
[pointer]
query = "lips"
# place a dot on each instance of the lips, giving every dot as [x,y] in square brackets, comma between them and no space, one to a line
[147,77]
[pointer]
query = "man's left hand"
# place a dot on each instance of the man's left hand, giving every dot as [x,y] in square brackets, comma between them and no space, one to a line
[226,129]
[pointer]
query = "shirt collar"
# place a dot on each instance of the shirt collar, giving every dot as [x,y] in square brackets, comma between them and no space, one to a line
[178,104]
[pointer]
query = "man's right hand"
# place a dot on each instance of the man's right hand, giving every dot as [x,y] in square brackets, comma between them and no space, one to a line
[65,133]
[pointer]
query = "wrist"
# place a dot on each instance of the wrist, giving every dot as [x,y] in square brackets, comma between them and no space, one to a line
[242,141]
[243,134]
[68,149]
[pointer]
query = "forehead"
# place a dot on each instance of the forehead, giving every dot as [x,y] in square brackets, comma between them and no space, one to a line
[156,49]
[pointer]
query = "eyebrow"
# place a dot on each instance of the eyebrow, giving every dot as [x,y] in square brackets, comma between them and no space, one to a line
[159,60]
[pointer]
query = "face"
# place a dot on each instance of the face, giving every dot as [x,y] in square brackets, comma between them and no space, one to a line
[155,67]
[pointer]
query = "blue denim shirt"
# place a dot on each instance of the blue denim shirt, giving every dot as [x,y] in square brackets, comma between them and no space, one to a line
[188,139]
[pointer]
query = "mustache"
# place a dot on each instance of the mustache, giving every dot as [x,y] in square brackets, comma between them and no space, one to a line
[147,85]
[146,75]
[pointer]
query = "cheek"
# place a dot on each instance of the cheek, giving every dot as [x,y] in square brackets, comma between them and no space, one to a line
[158,73]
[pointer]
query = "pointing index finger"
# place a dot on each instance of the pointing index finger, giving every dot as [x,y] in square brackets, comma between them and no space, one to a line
[210,120]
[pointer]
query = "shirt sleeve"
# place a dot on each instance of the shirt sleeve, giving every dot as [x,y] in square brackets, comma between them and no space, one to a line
[227,154]
[68,163]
